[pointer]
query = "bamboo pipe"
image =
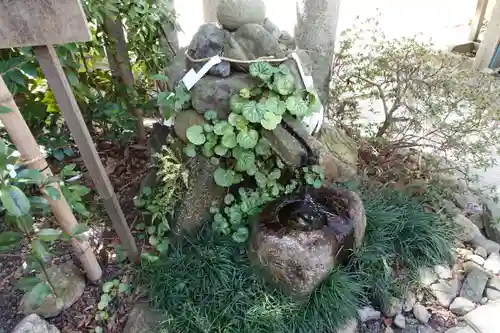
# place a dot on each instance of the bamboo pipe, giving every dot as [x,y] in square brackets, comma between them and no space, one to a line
[26,144]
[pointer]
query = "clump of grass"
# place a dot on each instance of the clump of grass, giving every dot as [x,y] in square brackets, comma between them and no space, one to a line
[208,286]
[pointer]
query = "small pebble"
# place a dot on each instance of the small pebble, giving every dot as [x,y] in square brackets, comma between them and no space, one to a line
[484,300]
[421,313]
[400,321]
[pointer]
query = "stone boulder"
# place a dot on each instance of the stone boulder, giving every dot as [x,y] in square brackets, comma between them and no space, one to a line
[34,324]
[474,285]
[177,68]
[298,257]
[213,93]
[142,319]
[208,42]
[491,220]
[232,14]
[252,41]
[186,119]
[69,283]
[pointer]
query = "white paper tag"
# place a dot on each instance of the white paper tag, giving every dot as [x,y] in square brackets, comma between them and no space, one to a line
[192,77]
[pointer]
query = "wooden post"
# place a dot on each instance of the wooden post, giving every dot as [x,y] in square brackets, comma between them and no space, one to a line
[58,83]
[489,44]
[477,21]
[26,144]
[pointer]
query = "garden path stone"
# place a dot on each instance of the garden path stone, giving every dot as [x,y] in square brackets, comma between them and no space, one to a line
[492,264]
[69,283]
[492,294]
[474,285]
[34,324]
[461,306]
[142,319]
[475,258]
[445,291]
[400,321]
[485,319]
[420,312]
[213,93]
[209,41]
[481,252]
[232,14]
[368,313]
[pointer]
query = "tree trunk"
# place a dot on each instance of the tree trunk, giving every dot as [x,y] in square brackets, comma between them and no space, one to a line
[210,10]
[315,32]
[119,64]
[169,39]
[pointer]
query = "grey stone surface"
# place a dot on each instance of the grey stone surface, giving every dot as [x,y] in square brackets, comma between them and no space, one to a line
[494,283]
[69,283]
[232,14]
[450,208]
[461,306]
[177,68]
[34,324]
[492,294]
[252,41]
[186,119]
[213,93]
[481,252]
[491,220]
[272,28]
[285,145]
[409,302]
[427,276]
[492,264]
[475,258]
[463,329]
[350,327]
[485,319]
[489,245]
[474,284]
[421,313]
[468,230]
[368,313]
[142,319]
[392,307]
[445,291]
[208,42]
[443,272]
[400,321]
[483,300]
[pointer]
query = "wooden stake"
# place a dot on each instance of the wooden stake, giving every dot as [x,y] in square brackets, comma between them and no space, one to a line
[58,83]
[488,47]
[477,21]
[26,144]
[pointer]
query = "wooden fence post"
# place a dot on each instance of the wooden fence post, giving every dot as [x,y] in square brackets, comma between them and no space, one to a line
[26,144]
[58,83]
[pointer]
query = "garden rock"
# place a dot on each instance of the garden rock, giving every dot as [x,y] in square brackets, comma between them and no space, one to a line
[485,319]
[443,272]
[492,294]
[445,291]
[475,258]
[194,208]
[491,220]
[298,258]
[481,252]
[232,14]
[494,283]
[393,306]
[343,147]
[489,245]
[421,313]
[350,327]
[272,28]
[468,230]
[483,301]
[69,283]
[410,300]
[427,276]
[213,93]
[208,42]
[368,313]
[34,324]
[450,208]
[177,68]
[285,145]
[186,119]
[287,40]
[142,319]
[461,306]
[492,264]
[250,42]
[474,285]
[400,321]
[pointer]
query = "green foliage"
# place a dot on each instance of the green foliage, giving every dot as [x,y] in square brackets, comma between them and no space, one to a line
[237,146]
[110,291]
[158,205]
[421,98]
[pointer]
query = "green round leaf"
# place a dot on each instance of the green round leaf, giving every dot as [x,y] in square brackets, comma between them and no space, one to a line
[49,235]
[263,147]
[228,199]
[275,105]
[250,112]
[284,83]
[220,150]
[245,160]
[38,293]
[189,150]
[275,174]
[223,177]
[238,121]
[210,115]
[296,105]
[236,103]
[248,139]
[270,121]
[107,286]
[229,140]
[208,150]
[9,239]
[208,128]
[262,70]
[14,200]
[317,183]
[245,93]
[241,235]
[195,135]
[222,128]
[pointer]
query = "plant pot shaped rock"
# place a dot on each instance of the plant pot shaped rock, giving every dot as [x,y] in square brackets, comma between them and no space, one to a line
[296,241]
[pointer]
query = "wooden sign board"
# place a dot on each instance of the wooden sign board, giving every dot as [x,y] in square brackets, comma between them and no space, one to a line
[41,22]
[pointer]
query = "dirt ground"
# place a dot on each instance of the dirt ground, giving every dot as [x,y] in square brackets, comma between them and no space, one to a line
[125,166]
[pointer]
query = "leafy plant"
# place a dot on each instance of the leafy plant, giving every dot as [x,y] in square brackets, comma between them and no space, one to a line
[242,152]
[419,98]
[110,290]
[158,206]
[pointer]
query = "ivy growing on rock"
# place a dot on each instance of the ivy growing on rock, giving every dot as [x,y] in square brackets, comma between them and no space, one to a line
[248,167]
